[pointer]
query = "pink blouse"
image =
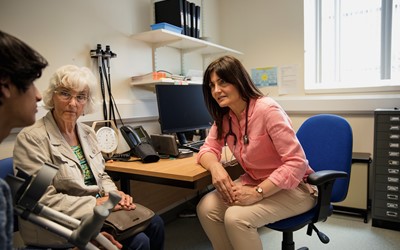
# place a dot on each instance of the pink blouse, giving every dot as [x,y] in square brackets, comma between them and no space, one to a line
[273,152]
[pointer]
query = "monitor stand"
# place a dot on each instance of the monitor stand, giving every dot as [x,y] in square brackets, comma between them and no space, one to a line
[181,138]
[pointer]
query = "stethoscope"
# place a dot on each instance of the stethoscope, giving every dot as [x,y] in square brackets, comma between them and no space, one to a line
[230,132]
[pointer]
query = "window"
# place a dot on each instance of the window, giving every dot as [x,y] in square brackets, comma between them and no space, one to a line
[352,45]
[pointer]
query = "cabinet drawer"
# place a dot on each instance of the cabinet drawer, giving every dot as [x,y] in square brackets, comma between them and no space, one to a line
[387,161]
[388,144]
[387,127]
[387,195]
[386,214]
[385,153]
[388,179]
[392,205]
[388,118]
[387,170]
[387,187]
[387,135]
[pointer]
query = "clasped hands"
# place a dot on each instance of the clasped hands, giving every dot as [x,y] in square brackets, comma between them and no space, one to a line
[233,193]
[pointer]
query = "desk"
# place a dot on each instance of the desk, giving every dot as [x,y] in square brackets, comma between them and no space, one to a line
[183,172]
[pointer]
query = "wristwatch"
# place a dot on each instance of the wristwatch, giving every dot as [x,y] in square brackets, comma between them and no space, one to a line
[260,190]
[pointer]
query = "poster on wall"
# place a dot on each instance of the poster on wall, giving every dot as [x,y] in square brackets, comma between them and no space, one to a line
[288,80]
[265,77]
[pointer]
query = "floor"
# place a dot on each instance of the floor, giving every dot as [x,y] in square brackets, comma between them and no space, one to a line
[346,232]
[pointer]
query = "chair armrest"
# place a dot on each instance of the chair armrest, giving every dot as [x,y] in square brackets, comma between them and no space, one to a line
[323,176]
[324,181]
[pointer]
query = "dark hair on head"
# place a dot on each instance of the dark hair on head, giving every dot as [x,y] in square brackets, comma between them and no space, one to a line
[231,70]
[19,62]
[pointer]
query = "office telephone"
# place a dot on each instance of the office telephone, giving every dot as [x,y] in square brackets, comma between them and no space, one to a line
[140,143]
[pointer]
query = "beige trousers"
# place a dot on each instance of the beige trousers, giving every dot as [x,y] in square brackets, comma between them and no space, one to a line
[235,227]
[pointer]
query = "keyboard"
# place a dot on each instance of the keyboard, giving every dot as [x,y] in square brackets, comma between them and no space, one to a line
[194,146]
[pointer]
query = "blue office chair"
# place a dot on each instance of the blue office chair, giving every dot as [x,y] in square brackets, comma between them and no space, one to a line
[6,167]
[327,141]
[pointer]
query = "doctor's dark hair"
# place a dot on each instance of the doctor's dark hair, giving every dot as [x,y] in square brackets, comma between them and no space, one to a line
[231,70]
[19,63]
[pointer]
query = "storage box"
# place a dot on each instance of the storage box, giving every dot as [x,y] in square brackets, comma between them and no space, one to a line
[166,26]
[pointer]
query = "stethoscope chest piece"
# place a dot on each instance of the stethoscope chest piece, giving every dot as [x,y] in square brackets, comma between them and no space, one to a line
[245,139]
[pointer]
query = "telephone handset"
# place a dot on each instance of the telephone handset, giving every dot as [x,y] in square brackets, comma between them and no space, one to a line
[140,143]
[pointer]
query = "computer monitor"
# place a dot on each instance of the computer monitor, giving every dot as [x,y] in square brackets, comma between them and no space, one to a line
[181,109]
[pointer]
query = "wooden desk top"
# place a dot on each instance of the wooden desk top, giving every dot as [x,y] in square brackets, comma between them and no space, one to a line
[185,169]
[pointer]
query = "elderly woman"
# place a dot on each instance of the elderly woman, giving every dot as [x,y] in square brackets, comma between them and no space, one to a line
[81,182]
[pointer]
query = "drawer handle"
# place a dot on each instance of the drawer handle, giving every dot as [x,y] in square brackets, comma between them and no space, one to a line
[391,153]
[394,118]
[394,136]
[391,214]
[393,171]
[393,162]
[394,145]
[394,127]
[393,179]
[392,205]
[392,197]
[393,188]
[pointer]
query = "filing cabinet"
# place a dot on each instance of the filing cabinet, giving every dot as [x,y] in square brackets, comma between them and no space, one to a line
[386,193]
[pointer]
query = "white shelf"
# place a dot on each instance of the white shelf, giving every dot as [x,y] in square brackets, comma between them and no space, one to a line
[186,44]
[163,81]
[162,37]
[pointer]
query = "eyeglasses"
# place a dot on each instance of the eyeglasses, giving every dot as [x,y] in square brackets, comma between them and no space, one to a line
[67,96]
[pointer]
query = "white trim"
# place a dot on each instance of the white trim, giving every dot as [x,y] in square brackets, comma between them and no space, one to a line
[361,104]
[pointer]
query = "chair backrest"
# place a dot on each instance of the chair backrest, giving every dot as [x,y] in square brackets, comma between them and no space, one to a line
[328,144]
[6,167]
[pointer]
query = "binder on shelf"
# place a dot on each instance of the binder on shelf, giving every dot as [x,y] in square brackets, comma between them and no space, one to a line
[197,23]
[192,19]
[170,11]
[186,19]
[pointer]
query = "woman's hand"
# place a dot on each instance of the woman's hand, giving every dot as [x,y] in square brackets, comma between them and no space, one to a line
[245,195]
[126,202]
[223,183]
[112,240]
[109,237]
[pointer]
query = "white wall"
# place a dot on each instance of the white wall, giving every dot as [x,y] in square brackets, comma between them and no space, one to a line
[64,32]
[268,32]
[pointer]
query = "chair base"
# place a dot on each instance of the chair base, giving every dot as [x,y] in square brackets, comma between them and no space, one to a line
[288,243]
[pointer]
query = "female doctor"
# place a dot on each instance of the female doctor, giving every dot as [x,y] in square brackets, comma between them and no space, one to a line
[260,135]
